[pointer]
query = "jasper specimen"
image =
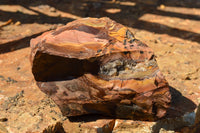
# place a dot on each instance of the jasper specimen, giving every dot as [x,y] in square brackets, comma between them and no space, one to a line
[97,66]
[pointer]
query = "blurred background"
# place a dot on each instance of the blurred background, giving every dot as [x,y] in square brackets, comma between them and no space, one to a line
[177,18]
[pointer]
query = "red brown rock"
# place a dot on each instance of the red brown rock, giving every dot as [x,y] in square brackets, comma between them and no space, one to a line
[97,66]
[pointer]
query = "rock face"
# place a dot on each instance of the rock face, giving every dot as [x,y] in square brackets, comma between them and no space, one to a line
[96,66]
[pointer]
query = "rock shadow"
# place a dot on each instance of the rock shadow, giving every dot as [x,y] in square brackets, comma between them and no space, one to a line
[88,118]
[180,104]
[179,115]
[16,44]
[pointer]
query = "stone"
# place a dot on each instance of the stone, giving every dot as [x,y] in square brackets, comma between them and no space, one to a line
[168,125]
[130,126]
[55,128]
[97,66]
[23,107]
[92,126]
[100,126]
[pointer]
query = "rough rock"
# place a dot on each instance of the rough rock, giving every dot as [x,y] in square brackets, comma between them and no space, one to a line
[172,33]
[20,36]
[97,66]
[55,128]
[130,126]
[23,107]
[167,125]
[100,125]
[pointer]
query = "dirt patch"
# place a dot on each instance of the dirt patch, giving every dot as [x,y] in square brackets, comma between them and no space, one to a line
[170,28]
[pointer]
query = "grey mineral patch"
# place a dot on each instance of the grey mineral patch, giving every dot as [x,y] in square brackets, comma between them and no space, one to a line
[171,124]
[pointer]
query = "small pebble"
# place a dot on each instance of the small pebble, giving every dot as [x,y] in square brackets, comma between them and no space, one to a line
[18,68]
[53,118]
[52,9]
[64,118]
[187,78]
[191,92]
[162,6]
[17,23]
[53,27]
[171,45]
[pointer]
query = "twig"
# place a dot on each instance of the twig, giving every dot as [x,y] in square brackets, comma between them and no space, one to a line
[6,23]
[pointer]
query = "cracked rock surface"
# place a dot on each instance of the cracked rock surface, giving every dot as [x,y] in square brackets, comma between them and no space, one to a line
[101,69]
[171,30]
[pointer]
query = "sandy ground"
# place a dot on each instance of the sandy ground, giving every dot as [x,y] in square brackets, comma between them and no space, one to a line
[171,29]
